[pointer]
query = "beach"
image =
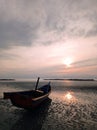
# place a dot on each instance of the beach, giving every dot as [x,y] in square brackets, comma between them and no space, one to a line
[71,105]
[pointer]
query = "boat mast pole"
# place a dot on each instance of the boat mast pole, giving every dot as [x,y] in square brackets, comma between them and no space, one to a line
[37,83]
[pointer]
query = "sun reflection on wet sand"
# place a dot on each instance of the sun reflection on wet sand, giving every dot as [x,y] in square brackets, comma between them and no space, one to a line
[69,97]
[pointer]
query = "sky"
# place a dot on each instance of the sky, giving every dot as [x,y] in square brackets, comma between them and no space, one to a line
[48,38]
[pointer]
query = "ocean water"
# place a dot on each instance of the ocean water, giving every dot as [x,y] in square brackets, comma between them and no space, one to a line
[72,105]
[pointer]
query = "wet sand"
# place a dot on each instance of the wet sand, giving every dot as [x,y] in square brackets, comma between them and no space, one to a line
[72,106]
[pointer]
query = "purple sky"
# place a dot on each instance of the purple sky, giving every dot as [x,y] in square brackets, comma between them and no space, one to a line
[40,37]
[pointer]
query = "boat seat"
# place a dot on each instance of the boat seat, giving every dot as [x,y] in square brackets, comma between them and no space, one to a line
[39,91]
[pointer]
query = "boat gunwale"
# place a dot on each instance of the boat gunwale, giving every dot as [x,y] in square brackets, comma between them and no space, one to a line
[34,98]
[40,97]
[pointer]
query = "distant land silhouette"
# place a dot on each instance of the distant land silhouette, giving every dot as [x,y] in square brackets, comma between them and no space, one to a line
[6,79]
[71,79]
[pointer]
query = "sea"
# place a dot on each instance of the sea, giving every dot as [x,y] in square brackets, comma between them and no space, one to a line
[72,105]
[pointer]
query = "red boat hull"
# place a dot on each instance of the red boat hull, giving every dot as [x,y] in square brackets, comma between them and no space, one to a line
[29,99]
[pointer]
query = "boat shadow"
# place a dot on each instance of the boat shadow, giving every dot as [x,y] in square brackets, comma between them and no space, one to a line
[33,119]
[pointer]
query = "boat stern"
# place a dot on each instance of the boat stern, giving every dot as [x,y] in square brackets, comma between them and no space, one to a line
[6,95]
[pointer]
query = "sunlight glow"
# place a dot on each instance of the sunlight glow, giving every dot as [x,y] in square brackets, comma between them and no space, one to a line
[68,96]
[68,62]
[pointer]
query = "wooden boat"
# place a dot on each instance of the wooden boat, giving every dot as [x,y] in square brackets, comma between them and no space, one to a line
[29,99]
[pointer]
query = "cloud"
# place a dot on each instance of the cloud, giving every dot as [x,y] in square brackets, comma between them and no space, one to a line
[95,45]
[86,63]
[23,23]
[16,33]
[7,56]
[72,18]
[18,24]
[92,31]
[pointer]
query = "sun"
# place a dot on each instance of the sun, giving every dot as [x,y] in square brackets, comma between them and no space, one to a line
[68,62]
